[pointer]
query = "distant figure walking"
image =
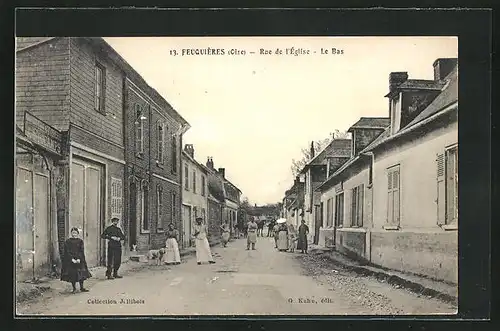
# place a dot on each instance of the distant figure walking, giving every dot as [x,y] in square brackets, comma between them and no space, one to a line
[270,227]
[283,238]
[74,266]
[252,234]
[260,228]
[203,253]
[276,229]
[303,232]
[172,255]
[114,235]
[225,233]
[292,238]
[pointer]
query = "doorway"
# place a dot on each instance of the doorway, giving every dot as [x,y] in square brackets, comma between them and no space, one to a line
[318,222]
[132,217]
[186,225]
[86,206]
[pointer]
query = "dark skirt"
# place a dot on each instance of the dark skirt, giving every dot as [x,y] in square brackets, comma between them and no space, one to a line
[75,272]
[302,243]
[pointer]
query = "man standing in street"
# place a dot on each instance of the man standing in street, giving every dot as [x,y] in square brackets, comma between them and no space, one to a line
[114,235]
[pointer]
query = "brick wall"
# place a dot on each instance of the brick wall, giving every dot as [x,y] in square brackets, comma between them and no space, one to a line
[214,220]
[42,83]
[138,166]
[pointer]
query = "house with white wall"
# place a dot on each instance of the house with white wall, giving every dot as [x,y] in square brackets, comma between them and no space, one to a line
[395,204]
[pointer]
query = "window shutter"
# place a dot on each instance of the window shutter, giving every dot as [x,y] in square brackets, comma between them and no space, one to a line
[396,194]
[450,186]
[361,203]
[390,199]
[441,190]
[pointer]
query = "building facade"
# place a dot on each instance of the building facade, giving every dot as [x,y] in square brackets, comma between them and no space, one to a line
[195,192]
[395,202]
[84,89]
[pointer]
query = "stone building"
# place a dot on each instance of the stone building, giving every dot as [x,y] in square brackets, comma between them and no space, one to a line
[195,192]
[396,199]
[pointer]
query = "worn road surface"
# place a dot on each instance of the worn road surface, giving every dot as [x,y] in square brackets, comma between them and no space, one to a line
[260,282]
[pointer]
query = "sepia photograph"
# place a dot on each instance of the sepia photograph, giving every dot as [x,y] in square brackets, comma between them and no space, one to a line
[174,176]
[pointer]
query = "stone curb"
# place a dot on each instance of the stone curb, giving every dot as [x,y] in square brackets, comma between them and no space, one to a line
[396,280]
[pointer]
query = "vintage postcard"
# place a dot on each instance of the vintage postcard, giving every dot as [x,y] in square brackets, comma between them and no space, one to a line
[168,176]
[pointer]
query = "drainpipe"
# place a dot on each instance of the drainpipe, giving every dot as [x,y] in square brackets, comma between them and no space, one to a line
[371,155]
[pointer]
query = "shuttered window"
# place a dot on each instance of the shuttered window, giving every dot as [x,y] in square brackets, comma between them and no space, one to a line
[194,181]
[116,198]
[159,208]
[447,186]
[161,142]
[329,212]
[139,131]
[393,196]
[203,185]
[100,76]
[174,208]
[186,177]
[339,209]
[142,208]
[357,199]
[174,154]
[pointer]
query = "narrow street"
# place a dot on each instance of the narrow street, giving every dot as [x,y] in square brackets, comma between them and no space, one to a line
[260,282]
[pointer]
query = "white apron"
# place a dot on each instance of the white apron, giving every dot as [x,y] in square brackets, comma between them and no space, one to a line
[203,253]
[172,254]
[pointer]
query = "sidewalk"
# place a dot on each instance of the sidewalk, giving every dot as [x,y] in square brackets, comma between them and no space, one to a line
[28,291]
[418,284]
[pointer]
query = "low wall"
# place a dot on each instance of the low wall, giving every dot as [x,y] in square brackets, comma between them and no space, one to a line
[432,254]
[352,243]
[326,238]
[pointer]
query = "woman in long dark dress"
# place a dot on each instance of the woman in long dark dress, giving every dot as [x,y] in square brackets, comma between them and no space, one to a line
[74,266]
[303,232]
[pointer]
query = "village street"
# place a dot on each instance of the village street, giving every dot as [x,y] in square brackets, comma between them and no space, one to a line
[259,282]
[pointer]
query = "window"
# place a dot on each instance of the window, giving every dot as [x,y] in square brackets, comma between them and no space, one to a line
[357,206]
[174,208]
[194,181]
[161,142]
[329,212]
[370,173]
[159,208]
[186,177]
[203,185]
[116,198]
[139,131]
[174,154]
[447,180]
[142,208]
[203,213]
[100,81]
[393,196]
[339,209]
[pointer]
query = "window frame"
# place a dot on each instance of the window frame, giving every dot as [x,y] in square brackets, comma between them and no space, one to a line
[392,224]
[339,209]
[116,198]
[357,206]
[173,146]
[143,198]
[100,88]
[160,148]
[139,126]
[186,177]
[173,209]
[194,180]
[160,226]
[203,185]
[453,220]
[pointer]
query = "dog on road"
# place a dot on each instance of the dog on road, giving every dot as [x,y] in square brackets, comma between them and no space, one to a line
[156,254]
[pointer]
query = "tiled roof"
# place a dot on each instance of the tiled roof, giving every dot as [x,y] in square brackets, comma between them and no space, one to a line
[371,123]
[339,148]
[418,84]
[445,98]
[448,96]
[23,42]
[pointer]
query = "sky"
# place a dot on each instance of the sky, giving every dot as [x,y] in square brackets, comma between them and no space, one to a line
[253,113]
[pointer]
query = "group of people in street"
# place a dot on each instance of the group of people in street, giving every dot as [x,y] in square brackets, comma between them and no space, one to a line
[286,238]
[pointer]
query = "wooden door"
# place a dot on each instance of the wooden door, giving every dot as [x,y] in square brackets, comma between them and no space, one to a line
[42,229]
[186,225]
[318,221]
[24,224]
[86,207]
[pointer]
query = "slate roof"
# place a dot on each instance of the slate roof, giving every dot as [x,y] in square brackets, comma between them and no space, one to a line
[336,148]
[24,42]
[371,123]
[418,84]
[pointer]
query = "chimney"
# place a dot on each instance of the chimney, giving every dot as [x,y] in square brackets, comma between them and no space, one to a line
[396,79]
[210,163]
[312,149]
[442,67]
[189,148]
[222,171]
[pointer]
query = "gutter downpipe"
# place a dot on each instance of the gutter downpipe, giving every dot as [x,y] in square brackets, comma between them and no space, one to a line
[369,237]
